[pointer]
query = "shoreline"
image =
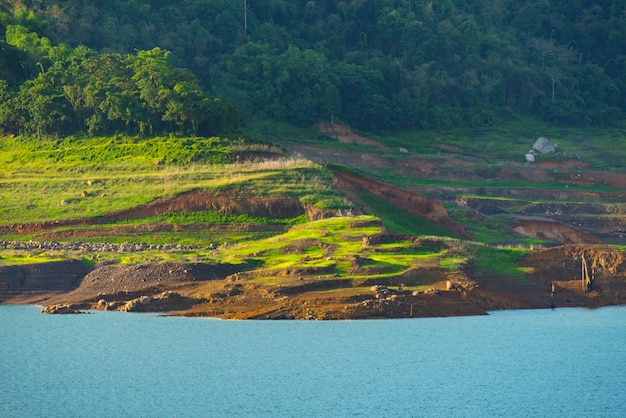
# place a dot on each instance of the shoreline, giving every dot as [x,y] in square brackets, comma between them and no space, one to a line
[178,314]
[243,291]
[176,292]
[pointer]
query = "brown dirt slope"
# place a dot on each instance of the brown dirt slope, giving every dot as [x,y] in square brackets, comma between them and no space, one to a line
[36,282]
[563,266]
[411,202]
[345,135]
[199,200]
[555,231]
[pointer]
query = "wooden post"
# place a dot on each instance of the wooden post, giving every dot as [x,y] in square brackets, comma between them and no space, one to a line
[592,282]
[582,272]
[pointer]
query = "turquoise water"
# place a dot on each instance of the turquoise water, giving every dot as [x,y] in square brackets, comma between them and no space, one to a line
[566,362]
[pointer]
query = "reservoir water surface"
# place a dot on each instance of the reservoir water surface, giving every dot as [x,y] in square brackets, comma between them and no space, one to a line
[563,362]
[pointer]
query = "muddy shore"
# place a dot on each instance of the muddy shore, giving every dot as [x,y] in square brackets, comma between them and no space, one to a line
[230,291]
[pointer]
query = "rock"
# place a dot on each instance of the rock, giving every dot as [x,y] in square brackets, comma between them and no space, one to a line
[450,285]
[530,158]
[544,146]
[380,290]
[138,304]
[234,290]
[61,308]
[403,150]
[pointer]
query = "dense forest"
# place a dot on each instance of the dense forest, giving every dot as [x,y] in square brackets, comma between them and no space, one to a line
[202,66]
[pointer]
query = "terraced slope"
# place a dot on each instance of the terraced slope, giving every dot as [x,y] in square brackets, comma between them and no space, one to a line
[358,229]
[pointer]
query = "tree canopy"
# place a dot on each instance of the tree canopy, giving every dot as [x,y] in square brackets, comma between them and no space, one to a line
[80,90]
[377,64]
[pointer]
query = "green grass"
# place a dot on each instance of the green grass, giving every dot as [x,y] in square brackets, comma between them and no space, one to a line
[25,154]
[44,180]
[401,221]
[17,259]
[509,141]
[502,262]
[48,180]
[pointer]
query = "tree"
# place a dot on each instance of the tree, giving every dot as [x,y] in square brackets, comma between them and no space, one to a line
[40,105]
[11,68]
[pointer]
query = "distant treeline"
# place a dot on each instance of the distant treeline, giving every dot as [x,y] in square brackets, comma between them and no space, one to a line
[376,64]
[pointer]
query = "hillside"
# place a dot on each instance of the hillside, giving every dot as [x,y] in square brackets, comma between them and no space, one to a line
[247,230]
[101,66]
[312,159]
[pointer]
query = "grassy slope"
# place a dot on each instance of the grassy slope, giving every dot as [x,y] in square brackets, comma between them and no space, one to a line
[48,180]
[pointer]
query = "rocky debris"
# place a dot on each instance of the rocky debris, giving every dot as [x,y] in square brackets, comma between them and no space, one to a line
[136,305]
[381,291]
[112,279]
[165,301]
[315,214]
[233,289]
[450,285]
[379,288]
[90,247]
[105,305]
[62,308]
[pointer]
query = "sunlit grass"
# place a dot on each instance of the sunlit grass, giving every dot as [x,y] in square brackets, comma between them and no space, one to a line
[49,180]
[15,258]
[499,261]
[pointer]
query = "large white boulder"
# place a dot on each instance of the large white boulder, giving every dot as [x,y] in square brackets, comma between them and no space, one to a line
[544,146]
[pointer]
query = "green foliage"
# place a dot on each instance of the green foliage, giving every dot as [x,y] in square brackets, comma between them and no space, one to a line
[216,218]
[13,67]
[401,221]
[294,86]
[499,262]
[83,91]
[375,64]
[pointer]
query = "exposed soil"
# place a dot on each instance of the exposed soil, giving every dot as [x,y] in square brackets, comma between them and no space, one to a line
[200,200]
[563,266]
[555,232]
[411,202]
[229,291]
[344,134]
[577,217]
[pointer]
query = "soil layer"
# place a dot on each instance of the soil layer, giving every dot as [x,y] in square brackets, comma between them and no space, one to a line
[577,269]
[234,291]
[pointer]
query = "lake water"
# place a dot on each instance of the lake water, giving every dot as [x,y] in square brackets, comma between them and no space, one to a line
[566,362]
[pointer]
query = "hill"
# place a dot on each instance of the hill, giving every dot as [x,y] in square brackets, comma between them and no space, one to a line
[245,229]
[312,159]
[378,65]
